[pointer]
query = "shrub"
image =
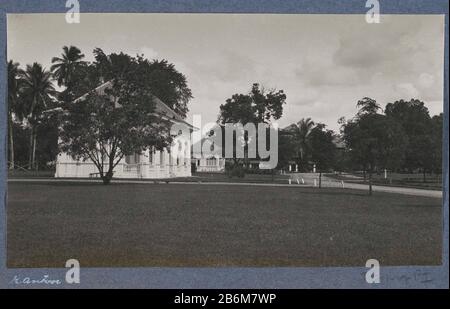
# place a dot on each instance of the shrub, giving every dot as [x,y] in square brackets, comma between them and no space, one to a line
[236,171]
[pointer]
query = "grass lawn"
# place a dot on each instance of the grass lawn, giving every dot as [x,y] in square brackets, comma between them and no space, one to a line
[249,178]
[217,225]
[198,177]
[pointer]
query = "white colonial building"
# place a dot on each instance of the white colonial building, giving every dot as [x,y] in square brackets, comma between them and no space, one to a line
[212,163]
[174,161]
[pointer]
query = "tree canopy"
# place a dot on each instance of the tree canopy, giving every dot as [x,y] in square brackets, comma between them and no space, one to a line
[416,122]
[161,77]
[120,118]
[257,106]
[374,140]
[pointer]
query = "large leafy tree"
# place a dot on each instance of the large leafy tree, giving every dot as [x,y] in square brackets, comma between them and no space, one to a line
[168,84]
[323,149]
[38,95]
[367,106]
[104,126]
[257,106]
[415,119]
[286,148]
[374,141]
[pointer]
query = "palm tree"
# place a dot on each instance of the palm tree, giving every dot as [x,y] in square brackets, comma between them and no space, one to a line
[64,68]
[300,132]
[14,88]
[38,94]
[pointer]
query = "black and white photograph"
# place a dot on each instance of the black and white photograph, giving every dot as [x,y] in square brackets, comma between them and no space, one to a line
[224,140]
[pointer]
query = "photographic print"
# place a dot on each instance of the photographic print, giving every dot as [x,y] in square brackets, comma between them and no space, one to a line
[224,140]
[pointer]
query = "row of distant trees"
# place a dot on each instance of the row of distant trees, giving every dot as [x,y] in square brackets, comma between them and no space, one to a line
[402,138]
[30,92]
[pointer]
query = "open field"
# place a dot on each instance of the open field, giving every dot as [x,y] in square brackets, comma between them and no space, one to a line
[217,225]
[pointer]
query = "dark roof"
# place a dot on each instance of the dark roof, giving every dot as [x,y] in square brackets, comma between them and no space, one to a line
[161,108]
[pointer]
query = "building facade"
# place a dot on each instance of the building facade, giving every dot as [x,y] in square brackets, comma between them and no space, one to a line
[173,161]
[212,164]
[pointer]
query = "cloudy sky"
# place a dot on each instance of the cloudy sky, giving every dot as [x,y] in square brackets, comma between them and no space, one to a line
[324,63]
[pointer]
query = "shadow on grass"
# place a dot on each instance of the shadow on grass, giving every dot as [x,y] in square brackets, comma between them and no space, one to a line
[301,190]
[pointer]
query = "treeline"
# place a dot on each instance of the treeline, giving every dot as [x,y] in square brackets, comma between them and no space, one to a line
[30,93]
[401,138]
[35,102]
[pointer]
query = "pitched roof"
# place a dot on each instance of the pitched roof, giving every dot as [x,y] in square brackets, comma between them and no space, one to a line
[161,108]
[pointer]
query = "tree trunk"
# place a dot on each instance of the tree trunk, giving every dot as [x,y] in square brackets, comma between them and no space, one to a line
[109,174]
[320,179]
[33,162]
[30,150]
[424,175]
[370,182]
[364,175]
[11,143]
[106,179]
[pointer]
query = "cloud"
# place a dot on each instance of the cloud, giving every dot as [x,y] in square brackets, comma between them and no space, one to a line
[148,52]
[226,66]
[407,91]
[307,96]
[426,80]
[376,45]
[324,63]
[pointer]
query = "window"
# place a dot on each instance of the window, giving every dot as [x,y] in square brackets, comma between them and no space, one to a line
[133,159]
[186,158]
[170,158]
[211,162]
[161,157]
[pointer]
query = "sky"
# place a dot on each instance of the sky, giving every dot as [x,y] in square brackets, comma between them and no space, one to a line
[324,63]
